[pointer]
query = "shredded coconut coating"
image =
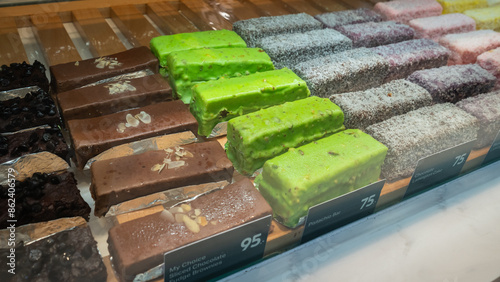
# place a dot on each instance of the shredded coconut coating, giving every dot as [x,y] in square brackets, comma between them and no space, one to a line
[459,6]
[419,134]
[490,61]
[374,34]
[252,30]
[287,50]
[405,11]
[486,108]
[409,56]
[486,18]
[352,70]
[435,27]
[364,108]
[454,83]
[466,47]
[340,18]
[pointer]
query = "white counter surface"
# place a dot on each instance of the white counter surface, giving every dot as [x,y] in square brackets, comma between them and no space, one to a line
[448,234]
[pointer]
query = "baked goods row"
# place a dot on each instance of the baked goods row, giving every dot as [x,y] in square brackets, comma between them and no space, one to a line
[300,141]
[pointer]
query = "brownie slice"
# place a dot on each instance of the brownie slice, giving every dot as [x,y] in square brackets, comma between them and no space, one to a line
[43,197]
[34,109]
[33,141]
[23,75]
[70,255]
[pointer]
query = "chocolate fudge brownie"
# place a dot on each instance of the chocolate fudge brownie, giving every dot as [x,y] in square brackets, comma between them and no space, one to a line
[23,75]
[34,109]
[43,197]
[33,141]
[70,255]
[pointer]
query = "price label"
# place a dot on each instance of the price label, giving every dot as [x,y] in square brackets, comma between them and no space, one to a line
[438,167]
[342,210]
[215,255]
[494,152]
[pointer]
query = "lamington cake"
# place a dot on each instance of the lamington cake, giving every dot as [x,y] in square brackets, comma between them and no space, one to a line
[72,75]
[454,83]
[256,137]
[252,30]
[347,71]
[421,133]
[372,34]
[404,11]
[319,171]
[340,18]
[406,57]
[93,136]
[139,245]
[286,50]
[23,75]
[486,108]
[466,47]
[125,178]
[69,255]
[364,108]
[43,197]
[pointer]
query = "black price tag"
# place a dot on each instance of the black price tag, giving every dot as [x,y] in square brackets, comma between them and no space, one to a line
[342,210]
[494,152]
[217,254]
[438,167]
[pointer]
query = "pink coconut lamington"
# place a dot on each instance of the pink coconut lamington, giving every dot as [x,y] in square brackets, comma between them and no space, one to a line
[436,27]
[405,11]
[466,47]
[490,61]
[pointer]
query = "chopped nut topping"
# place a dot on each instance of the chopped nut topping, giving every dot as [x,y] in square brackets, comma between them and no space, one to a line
[167,215]
[186,207]
[131,121]
[103,62]
[121,127]
[176,210]
[120,87]
[77,63]
[144,117]
[191,224]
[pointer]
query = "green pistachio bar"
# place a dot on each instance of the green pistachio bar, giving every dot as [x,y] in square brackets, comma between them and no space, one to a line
[186,68]
[319,171]
[163,45]
[254,138]
[221,100]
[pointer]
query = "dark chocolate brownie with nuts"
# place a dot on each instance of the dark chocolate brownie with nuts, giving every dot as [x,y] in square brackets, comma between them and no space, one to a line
[70,255]
[43,197]
[20,75]
[33,141]
[34,109]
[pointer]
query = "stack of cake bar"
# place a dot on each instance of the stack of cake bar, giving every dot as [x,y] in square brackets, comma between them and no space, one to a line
[316,107]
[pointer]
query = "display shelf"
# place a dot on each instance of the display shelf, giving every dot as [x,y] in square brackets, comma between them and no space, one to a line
[70,31]
[449,233]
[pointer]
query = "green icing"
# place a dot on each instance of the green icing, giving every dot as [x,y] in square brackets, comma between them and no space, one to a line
[319,171]
[256,137]
[221,100]
[187,68]
[161,46]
